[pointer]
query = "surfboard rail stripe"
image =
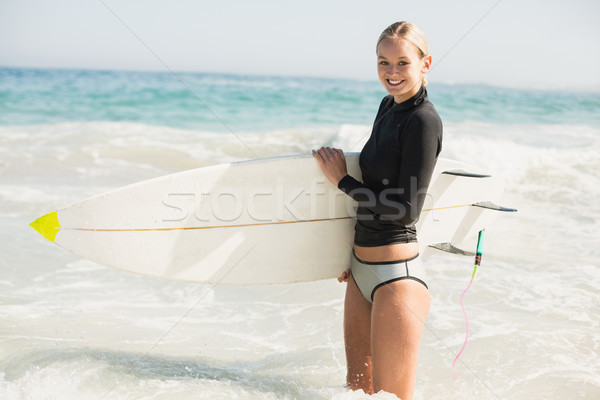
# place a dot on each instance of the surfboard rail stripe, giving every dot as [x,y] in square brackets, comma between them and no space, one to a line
[48,225]
[189,228]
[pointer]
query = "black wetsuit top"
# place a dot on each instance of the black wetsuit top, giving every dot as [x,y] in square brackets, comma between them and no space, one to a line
[396,163]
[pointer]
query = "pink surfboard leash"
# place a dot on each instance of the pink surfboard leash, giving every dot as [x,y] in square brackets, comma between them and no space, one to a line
[478,255]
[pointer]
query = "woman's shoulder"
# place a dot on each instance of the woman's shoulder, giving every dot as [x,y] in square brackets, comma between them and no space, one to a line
[388,100]
[386,103]
[424,119]
[426,111]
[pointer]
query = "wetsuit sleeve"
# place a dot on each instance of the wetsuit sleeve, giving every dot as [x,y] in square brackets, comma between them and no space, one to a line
[403,203]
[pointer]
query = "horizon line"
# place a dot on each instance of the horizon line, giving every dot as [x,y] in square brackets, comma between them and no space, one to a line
[590,89]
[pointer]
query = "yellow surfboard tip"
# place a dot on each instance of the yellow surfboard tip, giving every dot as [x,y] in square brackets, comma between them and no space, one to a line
[47,225]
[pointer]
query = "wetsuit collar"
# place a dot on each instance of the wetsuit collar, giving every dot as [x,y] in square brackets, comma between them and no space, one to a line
[413,101]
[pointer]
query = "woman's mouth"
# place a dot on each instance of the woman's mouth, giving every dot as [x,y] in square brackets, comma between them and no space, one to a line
[394,83]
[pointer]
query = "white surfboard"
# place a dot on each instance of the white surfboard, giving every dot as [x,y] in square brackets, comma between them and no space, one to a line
[263,221]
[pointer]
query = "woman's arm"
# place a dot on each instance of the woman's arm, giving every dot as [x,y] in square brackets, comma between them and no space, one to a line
[403,201]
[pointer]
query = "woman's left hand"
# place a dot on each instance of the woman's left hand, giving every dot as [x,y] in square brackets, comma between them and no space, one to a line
[332,162]
[344,277]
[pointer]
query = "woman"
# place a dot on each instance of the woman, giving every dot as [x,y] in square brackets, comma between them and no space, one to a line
[387,299]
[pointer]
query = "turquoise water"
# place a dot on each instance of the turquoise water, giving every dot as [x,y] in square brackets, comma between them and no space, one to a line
[71,329]
[189,101]
[251,103]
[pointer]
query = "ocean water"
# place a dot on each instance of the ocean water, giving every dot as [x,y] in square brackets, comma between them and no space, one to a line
[71,329]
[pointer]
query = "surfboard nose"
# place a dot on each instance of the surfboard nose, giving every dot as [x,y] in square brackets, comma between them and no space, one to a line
[47,225]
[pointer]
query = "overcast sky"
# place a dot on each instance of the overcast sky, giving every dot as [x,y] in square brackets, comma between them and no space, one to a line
[551,44]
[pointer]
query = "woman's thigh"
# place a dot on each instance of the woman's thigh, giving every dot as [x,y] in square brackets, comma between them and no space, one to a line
[357,338]
[398,318]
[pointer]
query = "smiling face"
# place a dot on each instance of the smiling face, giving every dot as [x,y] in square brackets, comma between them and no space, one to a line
[400,67]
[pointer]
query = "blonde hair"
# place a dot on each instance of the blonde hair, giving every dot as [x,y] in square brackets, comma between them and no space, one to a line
[412,33]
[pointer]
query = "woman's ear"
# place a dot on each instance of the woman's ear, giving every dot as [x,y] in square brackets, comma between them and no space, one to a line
[426,64]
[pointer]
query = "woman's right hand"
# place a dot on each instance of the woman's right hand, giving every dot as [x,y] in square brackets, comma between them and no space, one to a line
[332,162]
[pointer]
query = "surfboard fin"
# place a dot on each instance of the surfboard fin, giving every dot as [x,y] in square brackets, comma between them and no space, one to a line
[491,206]
[450,248]
[463,173]
[47,225]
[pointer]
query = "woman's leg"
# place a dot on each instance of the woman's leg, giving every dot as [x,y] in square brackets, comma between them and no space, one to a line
[357,337]
[398,317]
